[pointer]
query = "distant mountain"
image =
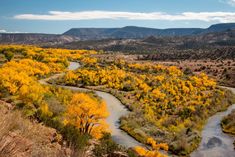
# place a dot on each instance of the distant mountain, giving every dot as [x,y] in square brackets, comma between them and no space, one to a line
[34,38]
[132,32]
[129,32]
[203,42]
[220,27]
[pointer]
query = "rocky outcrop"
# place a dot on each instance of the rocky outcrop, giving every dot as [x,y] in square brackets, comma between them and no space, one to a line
[20,137]
[15,145]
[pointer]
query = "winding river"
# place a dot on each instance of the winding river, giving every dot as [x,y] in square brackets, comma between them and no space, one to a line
[214,142]
[115,107]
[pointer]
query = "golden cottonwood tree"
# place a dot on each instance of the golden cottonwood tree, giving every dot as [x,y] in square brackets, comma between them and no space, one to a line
[12,81]
[87,114]
[155,149]
[31,67]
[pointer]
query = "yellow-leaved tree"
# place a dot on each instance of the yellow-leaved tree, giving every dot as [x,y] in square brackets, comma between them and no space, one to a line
[87,114]
[12,80]
[155,149]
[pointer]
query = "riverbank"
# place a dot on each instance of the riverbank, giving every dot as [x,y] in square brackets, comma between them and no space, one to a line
[115,107]
[182,133]
[215,142]
[132,131]
[125,121]
[228,123]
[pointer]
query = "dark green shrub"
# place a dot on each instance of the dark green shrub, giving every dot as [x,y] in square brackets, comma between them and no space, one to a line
[106,146]
[9,55]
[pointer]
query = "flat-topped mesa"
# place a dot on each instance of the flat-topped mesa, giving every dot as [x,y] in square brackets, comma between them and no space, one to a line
[134,32]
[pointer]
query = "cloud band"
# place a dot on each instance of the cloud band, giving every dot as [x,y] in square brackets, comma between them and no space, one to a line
[117,15]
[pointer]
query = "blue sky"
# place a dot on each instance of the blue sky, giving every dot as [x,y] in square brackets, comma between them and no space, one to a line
[57,16]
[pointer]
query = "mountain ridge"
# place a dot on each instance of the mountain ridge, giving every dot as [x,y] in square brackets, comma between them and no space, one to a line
[134,32]
[128,32]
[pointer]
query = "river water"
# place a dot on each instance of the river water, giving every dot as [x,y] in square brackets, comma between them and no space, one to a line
[116,111]
[214,142]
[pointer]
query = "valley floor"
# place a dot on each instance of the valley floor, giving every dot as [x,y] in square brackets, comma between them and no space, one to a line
[170,102]
[181,140]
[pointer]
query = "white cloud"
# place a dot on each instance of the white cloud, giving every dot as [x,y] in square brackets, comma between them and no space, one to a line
[91,15]
[3,31]
[231,2]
